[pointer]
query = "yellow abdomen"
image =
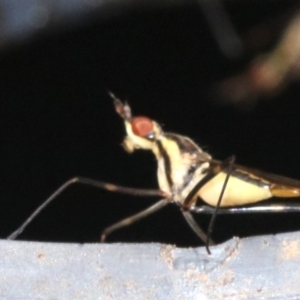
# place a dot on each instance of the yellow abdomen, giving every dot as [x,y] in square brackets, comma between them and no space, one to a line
[237,192]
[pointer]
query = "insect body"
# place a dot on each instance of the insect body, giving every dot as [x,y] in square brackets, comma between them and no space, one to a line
[186,173]
[182,164]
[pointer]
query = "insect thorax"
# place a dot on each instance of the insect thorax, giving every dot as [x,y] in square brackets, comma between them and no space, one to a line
[180,165]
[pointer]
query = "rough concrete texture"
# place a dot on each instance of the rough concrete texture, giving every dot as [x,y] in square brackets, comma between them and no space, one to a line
[265,267]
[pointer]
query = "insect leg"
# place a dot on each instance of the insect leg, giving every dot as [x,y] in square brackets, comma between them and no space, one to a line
[91,182]
[193,224]
[189,200]
[271,208]
[213,218]
[134,218]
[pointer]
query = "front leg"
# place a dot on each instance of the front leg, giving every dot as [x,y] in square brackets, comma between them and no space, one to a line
[90,182]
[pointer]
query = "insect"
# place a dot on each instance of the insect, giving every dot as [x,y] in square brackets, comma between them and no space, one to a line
[186,173]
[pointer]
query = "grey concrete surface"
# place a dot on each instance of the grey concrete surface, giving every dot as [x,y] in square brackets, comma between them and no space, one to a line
[265,267]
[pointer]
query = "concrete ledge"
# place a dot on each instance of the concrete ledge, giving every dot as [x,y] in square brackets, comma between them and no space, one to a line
[265,267]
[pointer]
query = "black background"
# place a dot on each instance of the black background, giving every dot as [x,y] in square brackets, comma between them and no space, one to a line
[57,121]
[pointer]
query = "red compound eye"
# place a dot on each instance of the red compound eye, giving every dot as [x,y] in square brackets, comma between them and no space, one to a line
[142,126]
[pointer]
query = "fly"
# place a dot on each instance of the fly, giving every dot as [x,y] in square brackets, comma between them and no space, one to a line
[186,173]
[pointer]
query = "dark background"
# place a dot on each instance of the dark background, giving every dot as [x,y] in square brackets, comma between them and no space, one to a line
[57,121]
